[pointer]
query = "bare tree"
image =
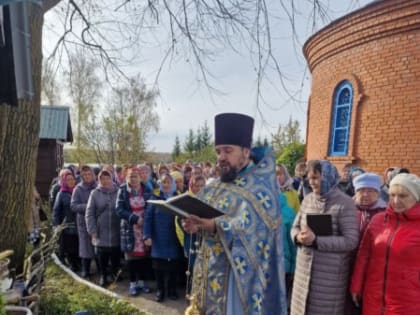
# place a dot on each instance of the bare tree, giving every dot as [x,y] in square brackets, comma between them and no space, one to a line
[85,88]
[196,30]
[50,93]
[130,118]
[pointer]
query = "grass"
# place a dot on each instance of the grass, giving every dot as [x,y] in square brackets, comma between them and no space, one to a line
[62,295]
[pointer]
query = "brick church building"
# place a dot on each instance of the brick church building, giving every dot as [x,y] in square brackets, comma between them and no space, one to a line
[364,106]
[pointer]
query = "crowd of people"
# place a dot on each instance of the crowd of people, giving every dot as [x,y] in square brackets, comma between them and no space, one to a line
[262,256]
[108,221]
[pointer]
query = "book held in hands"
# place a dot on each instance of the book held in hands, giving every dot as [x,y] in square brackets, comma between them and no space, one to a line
[185,204]
[320,224]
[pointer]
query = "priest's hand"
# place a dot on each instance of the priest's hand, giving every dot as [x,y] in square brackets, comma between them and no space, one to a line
[193,223]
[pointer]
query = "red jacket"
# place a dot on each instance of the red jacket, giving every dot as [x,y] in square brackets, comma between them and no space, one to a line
[387,269]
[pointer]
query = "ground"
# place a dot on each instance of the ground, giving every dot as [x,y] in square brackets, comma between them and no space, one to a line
[147,303]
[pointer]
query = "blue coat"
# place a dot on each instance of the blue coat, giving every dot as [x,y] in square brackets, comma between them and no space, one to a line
[63,214]
[160,227]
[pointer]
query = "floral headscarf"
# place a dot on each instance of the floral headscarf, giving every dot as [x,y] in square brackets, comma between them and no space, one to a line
[330,177]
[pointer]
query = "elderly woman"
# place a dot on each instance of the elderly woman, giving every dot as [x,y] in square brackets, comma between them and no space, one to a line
[323,262]
[61,213]
[386,276]
[78,204]
[367,198]
[103,225]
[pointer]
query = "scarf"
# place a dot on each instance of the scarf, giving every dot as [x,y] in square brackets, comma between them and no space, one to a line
[330,177]
[288,180]
[64,186]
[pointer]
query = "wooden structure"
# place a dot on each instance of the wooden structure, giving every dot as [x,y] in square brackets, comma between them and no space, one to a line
[55,130]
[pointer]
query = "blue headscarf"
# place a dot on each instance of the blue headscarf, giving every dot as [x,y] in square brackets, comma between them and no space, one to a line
[330,177]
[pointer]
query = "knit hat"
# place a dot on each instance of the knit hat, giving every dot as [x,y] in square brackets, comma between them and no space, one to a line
[409,181]
[367,180]
[233,129]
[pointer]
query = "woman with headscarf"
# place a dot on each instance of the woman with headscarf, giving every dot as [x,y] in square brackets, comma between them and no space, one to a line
[322,263]
[130,207]
[159,233]
[103,225]
[78,205]
[69,242]
[386,276]
[286,186]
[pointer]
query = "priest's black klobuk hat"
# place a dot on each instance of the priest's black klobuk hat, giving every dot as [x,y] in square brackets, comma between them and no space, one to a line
[233,129]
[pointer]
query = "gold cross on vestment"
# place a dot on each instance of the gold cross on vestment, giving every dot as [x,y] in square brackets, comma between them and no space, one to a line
[215,285]
[257,302]
[264,199]
[264,249]
[223,203]
[240,265]
[217,249]
[240,181]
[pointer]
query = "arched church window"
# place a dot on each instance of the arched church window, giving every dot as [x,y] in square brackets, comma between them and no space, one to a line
[341,119]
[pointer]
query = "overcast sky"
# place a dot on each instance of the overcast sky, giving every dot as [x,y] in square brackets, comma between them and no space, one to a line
[185,104]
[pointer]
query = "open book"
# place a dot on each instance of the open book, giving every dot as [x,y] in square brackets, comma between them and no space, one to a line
[320,224]
[185,204]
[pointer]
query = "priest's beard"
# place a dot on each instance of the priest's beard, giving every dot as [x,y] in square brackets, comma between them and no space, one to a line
[228,175]
[228,172]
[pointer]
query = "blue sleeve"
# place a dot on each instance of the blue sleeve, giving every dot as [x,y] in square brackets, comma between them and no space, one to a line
[121,208]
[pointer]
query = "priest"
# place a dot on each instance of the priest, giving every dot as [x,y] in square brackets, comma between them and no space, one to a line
[239,267]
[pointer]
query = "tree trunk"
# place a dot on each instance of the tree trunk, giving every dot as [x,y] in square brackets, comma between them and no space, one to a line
[19,137]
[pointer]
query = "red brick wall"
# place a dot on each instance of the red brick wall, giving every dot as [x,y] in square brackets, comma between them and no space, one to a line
[378,49]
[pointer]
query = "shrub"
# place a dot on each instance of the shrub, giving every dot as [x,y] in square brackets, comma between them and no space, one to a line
[63,295]
[291,155]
